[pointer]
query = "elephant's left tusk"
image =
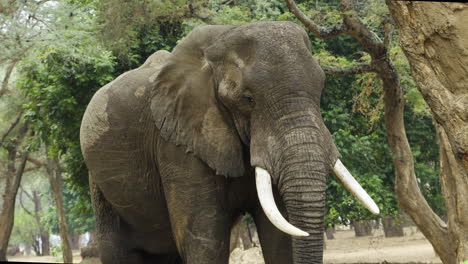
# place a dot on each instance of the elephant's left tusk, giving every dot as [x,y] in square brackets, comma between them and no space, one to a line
[267,201]
[354,187]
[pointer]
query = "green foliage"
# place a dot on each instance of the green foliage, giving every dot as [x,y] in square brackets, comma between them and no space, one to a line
[139,28]
[78,210]
[58,83]
[25,229]
[57,252]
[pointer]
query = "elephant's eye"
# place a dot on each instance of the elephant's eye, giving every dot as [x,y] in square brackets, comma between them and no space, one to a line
[248,98]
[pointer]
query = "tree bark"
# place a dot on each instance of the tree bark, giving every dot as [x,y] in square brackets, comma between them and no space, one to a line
[434,37]
[392,227]
[55,178]
[455,189]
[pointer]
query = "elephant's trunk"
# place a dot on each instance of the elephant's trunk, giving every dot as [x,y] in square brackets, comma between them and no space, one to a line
[300,172]
[304,199]
[302,186]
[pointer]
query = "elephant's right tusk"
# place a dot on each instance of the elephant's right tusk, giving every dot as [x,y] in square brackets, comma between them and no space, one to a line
[354,187]
[267,201]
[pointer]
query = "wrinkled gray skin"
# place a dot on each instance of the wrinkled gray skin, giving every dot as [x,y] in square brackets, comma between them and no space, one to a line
[171,147]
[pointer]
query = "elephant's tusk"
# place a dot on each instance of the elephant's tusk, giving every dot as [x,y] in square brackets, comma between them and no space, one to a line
[267,201]
[354,187]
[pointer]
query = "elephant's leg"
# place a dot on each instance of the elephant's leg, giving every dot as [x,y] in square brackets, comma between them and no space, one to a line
[113,246]
[276,245]
[195,198]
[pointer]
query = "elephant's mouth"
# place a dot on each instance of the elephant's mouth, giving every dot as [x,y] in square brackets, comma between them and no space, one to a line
[265,195]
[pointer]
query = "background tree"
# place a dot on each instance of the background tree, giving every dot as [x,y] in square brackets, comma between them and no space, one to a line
[409,194]
[12,178]
[433,36]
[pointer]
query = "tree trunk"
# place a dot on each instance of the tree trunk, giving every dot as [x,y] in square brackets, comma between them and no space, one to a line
[55,177]
[12,183]
[434,38]
[75,240]
[44,233]
[392,227]
[362,228]
[329,232]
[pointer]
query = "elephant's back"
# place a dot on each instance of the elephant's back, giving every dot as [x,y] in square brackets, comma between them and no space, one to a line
[120,103]
[116,140]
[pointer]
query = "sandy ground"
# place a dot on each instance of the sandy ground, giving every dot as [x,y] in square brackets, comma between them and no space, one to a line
[413,247]
[345,248]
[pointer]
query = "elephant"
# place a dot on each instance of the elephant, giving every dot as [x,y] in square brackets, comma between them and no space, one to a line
[227,123]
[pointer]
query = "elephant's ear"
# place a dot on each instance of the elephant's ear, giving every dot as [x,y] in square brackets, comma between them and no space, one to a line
[185,108]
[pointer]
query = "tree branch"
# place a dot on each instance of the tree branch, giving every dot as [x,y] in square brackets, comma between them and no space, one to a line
[356,69]
[27,194]
[6,79]
[21,201]
[36,162]
[193,13]
[318,31]
[369,41]
[12,126]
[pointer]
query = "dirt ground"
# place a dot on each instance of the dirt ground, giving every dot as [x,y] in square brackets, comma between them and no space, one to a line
[413,247]
[345,248]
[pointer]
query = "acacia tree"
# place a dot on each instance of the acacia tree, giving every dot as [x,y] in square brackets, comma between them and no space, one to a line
[434,39]
[409,195]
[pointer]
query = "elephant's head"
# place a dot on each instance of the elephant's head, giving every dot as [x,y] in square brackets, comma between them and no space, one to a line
[229,93]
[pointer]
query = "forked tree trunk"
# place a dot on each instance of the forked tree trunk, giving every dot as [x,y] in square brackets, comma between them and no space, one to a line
[434,38]
[55,178]
[392,227]
[13,177]
[7,216]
